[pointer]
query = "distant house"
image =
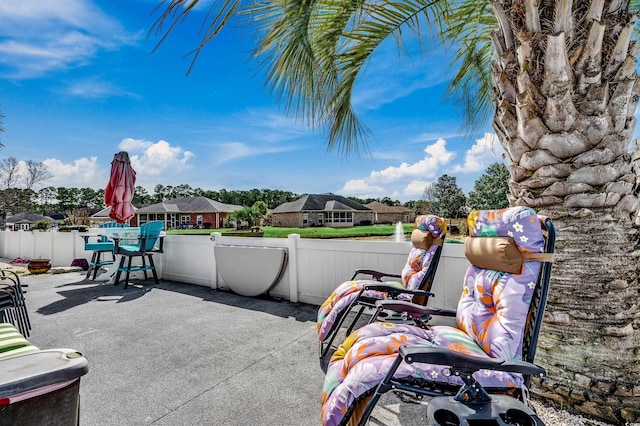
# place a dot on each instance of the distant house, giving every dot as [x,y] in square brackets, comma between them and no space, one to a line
[187,212]
[321,210]
[391,214]
[25,221]
[103,216]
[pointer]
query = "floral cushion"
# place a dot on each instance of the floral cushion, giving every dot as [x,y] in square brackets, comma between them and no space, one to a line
[412,274]
[490,321]
[493,307]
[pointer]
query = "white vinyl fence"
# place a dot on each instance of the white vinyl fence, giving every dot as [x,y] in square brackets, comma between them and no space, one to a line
[313,270]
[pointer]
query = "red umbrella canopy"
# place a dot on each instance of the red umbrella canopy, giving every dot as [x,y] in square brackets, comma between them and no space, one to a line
[119,191]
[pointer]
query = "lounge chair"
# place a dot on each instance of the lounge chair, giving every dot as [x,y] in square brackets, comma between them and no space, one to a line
[480,369]
[100,245]
[413,283]
[149,241]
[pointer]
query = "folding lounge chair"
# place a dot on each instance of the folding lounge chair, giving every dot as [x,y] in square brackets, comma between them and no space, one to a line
[13,307]
[415,282]
[100,245]
[478,370]
[146,246]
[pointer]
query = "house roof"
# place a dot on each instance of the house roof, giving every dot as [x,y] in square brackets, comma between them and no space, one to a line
[27,217]
[320,202]
[379,207]
[189,205]
[104,213]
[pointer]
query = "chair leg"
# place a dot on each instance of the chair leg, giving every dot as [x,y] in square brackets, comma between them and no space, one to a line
[355,320]
[383,387]
[120,271]
[126,281]
[91,264]
[144,267]
[97,265]
[325,345]
[153,269]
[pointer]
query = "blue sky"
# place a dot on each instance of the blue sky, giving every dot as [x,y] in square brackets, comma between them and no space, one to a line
[79,82]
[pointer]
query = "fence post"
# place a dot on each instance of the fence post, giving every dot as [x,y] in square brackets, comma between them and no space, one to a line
[215,238]
[292,241]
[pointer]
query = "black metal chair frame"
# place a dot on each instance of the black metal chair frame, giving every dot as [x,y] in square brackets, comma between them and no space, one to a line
[472,394]
[423,292]
[13,307]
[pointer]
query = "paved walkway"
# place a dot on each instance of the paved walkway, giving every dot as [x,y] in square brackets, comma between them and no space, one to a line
[178,354]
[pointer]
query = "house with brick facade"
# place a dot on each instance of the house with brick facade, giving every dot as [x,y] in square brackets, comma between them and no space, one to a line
[328,210]
[188,212]
[391,214]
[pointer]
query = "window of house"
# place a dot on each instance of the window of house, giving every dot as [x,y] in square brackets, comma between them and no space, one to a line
[199,219]
[305,218]
[321,219]
[185,219]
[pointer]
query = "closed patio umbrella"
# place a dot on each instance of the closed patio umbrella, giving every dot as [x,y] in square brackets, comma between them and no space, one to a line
[119,191]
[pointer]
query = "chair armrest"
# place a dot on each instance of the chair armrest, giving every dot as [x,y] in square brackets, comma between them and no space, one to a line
[375,274]
[467,363]
[413,308]
[395,291]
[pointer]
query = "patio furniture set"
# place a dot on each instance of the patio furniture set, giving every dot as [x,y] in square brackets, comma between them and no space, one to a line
[476,369]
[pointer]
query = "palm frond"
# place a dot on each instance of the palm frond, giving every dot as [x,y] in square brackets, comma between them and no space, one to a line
[178,10]
[470,23]
[314,51]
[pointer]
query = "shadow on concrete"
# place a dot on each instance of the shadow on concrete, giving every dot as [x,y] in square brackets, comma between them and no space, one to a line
[86,290]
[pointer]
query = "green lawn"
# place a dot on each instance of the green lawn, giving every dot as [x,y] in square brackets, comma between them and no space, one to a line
[272,232]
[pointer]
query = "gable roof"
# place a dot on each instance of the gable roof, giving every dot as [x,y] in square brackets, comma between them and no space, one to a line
[27,217]
[189,205]
[320,202]
[379,207]
[104,213]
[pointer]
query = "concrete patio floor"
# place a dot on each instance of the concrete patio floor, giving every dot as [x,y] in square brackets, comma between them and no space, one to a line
[178,354]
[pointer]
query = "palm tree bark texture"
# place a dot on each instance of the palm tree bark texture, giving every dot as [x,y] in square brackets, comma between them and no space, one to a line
[565,93]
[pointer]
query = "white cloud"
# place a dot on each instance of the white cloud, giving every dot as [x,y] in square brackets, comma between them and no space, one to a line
[486,151]
[436,154]
[93,88]
[230,151]
[149,160]
[415,188]
[393,180]
[42,37]
[80,173]
[361,186]
[156,159]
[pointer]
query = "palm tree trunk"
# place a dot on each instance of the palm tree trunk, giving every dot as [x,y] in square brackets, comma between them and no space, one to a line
[566,90]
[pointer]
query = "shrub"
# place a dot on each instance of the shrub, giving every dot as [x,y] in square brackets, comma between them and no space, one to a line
[42,225]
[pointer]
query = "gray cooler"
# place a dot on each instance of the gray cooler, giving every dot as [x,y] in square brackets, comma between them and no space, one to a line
[41,388]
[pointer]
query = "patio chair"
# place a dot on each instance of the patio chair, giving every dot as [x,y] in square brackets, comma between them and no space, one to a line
[478,370]
[149,241]
[413,283]
[100,245]
[13,306]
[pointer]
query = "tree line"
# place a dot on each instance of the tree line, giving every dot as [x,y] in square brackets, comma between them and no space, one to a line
[443,198]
